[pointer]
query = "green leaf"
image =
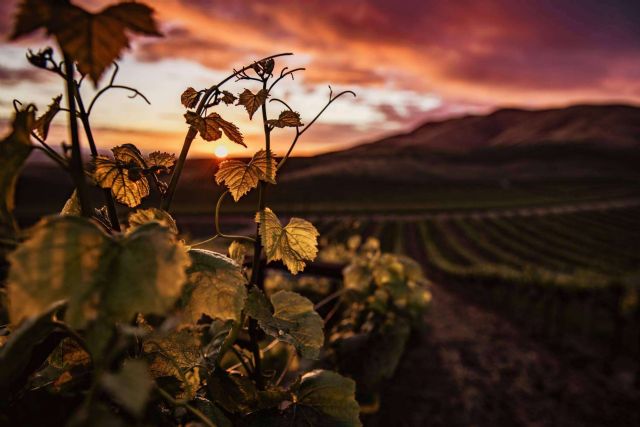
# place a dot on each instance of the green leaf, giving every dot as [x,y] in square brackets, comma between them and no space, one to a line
[14,150]
[15,355]
[212,412]
[215,287]
[145,216]
[294,244]
[130,387]
[234,393]
[70,258]
[146,274]
[289,317]
[357,276]
[41,126]
[61,260]
[176,354]
[241,177]
[325,398]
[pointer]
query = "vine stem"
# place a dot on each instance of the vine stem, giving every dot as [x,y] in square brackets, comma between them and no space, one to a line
[257,270]
[84,118]
[202,417]
[76,166]
[299,132]
[217,223]
[191,133]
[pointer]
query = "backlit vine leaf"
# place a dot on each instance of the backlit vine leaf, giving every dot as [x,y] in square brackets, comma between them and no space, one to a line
[144,216]
[160,161]
[294,244]
[115,176]
[324,398]
[129,154]
[14,150]
[41,126]
[289,317]
[190,97]
[215,287]
[252,101]
[287,118]
[70,258]
[240,177]
[227,97]
[237,251]
[212,126]
[93,40]
[265,66]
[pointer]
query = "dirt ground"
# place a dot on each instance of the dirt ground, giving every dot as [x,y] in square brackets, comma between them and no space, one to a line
[470,367]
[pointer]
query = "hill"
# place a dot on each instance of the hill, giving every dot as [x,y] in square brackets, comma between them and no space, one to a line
[510,157]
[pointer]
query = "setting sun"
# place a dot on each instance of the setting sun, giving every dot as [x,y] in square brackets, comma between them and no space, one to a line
[221,151]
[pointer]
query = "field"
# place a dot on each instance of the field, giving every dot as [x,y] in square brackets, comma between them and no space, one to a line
[544,299]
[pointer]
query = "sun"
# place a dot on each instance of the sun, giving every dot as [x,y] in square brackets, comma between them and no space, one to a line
[221,151]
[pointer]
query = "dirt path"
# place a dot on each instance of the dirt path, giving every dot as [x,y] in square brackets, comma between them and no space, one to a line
[471,367]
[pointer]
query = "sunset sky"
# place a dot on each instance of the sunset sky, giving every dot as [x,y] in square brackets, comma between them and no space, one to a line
[408,61]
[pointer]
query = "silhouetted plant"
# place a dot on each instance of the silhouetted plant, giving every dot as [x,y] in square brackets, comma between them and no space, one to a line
[116,318]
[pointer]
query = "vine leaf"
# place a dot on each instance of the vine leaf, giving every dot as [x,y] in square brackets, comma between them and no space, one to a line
[229,129]
[14,150]
[161,162]
[23,343]
[212,126]
[129,154]
[287,118]
[72,205]
[36,281]
[252,102]
[144,216]
[70,258]
[176,354]
[190,97]
[237,251]
[127,187]
[41,126]
[215,287]
[130,387]
[227,97]
[93,40]
[325,398]
[294,244]
[240,177]
[289,317]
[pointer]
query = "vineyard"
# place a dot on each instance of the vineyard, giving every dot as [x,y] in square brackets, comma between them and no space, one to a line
[571,272]
[392,283]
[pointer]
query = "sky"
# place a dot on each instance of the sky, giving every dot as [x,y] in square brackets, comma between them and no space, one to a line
[408,61]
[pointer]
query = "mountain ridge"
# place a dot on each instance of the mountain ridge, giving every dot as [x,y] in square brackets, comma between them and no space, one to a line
[582,123]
